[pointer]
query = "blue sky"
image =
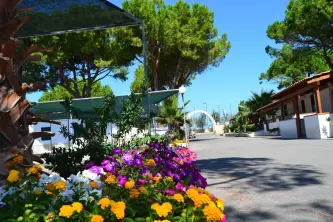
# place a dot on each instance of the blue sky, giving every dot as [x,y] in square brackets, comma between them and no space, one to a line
[245,22]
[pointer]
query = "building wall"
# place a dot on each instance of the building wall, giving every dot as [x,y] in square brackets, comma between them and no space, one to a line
[317,127]
[307,103]
[288,129]
[325,100]
[274,125]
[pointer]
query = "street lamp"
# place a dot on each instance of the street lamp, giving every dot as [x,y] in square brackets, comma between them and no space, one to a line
[182,91]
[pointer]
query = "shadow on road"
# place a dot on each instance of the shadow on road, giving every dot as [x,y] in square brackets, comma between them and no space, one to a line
[321,208]
[261,174]
[255,215]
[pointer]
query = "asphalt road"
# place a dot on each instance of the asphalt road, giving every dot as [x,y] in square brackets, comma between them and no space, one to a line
[269,179]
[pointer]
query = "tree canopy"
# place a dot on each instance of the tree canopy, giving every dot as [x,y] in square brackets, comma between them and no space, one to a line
[60,93]
[181,39]
[139,83]
[200,121]
[216,116]
[79,58]
[291,65]
[306,33]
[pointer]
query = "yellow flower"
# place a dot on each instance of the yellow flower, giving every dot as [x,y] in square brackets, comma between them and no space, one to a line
[212,213]
[104,202]
[201,200]
[60,185]
[156,179]
[220,204]
[143,190]
[162,210]
[50,187]
[118,208]
[191,193]
[93,184]
[162,221]
[18,158]
[77,206]
[111,179]
[129,184]
[49,193]
[134,193]
[150,162]
[169,178]
[13,176]
[178,197]
[97,218]
[66,211]
[32,170]
[38,167]
[37,192]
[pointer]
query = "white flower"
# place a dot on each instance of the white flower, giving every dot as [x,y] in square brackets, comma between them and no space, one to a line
[85,158]
[89,175]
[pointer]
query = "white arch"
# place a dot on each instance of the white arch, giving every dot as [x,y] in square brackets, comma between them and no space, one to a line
[204,112]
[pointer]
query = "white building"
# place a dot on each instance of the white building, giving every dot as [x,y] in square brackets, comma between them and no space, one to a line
[301,110]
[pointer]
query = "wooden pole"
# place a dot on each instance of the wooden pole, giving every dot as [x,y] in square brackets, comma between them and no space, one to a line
[318,99]
[298,119]
[282,110]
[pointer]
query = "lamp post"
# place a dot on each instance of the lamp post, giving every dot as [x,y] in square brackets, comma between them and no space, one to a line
[206,116]
[182,91]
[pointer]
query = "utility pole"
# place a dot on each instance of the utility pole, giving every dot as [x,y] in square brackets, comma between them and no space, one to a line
[218,106]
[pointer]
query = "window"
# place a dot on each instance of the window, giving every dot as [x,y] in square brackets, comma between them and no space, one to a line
[285,110]
[313,104]
[46,129]
[303,106]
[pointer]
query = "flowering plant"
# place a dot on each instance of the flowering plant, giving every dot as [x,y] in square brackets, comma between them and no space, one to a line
[157,160]
[146,185]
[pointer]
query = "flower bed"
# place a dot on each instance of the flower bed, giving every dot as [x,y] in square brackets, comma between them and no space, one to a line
[156,183]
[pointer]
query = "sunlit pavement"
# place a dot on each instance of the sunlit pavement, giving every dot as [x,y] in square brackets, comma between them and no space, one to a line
[269,179]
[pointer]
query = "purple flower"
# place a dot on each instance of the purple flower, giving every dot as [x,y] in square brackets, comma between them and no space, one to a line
[117,151]
[104,162]
[158,175]
[176,177]
[89,164]
[141,182]
[108,167]
[122,180]
[145,172]
[169,192]
[181,187]
[127,159]
[202,182]
[138,162]
[95,169]
[170,173]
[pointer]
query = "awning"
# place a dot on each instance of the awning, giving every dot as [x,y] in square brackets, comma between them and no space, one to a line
[52,17]
[56,110]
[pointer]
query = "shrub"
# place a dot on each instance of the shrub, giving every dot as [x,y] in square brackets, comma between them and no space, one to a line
[116,190]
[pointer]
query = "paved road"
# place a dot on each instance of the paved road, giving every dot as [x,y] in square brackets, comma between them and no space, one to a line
[269,179]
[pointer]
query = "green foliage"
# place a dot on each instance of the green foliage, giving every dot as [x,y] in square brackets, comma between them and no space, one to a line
[88,140]
[170,114]
[131,115]
[216,116]
[274,130]
[307,26]
[60,93]
[139,84]
[201,121]
[77,59]
[248,119]
[291,65]
[181,39]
